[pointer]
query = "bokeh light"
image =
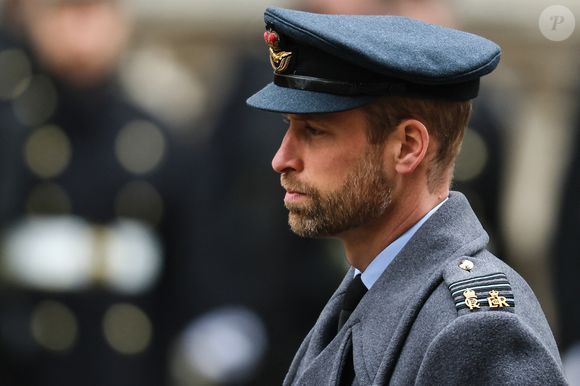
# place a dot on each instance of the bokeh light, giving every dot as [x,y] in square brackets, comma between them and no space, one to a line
[54,326]
[127,328]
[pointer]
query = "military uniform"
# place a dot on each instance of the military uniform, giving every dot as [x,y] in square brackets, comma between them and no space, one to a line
[444,311]
[415,327]
[72,193]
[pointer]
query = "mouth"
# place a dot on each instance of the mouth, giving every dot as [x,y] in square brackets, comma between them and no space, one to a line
[293,195]
[296,192]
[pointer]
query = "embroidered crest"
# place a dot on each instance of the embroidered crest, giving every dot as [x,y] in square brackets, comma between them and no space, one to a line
[483,292]
[279,59]
[471,299]
[496,301]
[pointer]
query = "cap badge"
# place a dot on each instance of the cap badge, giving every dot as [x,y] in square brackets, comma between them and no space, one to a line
[279,59]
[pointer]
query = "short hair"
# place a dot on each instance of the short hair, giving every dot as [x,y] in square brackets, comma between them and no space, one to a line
[445,121]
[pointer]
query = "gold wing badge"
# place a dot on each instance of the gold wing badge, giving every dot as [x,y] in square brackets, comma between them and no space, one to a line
[280,60]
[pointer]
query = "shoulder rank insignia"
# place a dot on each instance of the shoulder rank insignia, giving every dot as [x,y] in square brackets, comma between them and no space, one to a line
[491,292]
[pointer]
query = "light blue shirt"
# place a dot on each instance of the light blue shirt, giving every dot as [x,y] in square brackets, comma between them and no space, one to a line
[382,261]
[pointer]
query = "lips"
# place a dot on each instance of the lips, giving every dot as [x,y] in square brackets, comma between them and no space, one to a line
[290,190]
[294,193]
[292,186]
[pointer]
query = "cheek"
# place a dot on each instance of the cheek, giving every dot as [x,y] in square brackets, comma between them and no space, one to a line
[330,172]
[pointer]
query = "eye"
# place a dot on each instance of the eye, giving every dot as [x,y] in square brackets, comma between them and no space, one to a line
[313,131]
[285,119]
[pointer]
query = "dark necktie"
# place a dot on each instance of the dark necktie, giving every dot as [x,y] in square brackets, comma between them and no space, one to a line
[354,293]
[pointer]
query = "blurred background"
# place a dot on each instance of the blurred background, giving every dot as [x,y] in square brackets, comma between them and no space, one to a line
[143,239]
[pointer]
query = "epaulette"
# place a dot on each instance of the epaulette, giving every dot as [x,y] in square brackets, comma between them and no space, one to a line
[477,289]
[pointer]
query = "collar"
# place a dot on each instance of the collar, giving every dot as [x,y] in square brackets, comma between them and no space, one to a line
[382,261]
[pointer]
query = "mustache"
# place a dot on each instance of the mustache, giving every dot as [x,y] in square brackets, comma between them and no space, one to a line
[293,185]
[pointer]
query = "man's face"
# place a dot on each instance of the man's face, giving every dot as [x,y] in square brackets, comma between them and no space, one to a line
[333,177]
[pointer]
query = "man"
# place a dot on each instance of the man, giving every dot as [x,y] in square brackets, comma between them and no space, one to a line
[377,106]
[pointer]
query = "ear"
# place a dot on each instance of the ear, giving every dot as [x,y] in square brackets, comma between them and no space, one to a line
[413,143]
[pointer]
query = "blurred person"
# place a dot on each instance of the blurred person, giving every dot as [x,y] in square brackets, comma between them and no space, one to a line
[79,42]
[90,204]
[566,264]
[243,248]
[432,11]
[368,158]
[241,234]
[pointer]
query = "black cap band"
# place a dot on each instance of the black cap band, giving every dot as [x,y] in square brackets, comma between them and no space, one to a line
[459,91]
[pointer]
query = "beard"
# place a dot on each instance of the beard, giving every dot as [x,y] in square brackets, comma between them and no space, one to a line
[364,196]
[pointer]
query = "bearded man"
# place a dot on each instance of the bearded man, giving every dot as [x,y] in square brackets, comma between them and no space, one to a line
[377,107]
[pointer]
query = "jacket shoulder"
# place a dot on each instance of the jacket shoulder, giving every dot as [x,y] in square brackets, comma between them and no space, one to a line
[489,348]
[497,319]
[483,284]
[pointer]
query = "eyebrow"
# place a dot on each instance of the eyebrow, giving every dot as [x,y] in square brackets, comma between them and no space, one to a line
[299,117]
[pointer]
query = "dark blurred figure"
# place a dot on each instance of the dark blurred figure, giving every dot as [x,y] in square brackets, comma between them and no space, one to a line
[244,279]
[251,276]
[566,247]
[89,213]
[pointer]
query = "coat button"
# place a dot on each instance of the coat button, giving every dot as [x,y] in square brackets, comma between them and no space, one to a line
[466,265]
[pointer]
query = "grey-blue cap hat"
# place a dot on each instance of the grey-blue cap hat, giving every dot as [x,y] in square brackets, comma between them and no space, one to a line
[328,63]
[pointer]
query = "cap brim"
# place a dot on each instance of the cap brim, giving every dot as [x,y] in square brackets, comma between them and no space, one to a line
[288,100]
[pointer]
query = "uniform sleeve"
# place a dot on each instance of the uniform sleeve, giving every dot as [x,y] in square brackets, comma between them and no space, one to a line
[489,348]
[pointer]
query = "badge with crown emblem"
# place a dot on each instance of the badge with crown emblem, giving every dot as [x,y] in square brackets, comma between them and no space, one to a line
[471,299]
[496,301]
[279,59]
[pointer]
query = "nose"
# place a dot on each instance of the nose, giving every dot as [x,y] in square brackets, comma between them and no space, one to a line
[286,158]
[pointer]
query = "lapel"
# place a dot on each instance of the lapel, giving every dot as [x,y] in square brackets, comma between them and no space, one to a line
[322,337]
[379,325]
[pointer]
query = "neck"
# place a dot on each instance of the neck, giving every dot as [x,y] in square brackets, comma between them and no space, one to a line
[364,243]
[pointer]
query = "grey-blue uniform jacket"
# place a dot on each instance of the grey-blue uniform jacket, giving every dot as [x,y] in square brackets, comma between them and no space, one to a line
[427,321]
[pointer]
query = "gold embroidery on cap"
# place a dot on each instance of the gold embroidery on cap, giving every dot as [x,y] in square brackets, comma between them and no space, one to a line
[279,59]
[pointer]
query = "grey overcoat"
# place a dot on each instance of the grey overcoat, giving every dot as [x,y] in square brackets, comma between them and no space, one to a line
[414,326]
